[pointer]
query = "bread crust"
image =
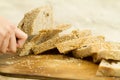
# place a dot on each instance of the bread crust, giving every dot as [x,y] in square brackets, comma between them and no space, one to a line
[89,47]
[36,20]
[73,44]
[50,44]
[107,50]
[43,36]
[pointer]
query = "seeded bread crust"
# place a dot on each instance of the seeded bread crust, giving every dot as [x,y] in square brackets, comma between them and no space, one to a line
[89,47]
[65,35]
[36,20]
[43,36]
[50,44]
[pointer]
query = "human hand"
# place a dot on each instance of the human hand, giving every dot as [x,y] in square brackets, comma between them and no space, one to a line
[8,35]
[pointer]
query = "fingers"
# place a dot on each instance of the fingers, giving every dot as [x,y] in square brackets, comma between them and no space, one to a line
[6,36]
[8,40]
[5,44]
[1,39]
[5,32]
[12,44]
[21,36]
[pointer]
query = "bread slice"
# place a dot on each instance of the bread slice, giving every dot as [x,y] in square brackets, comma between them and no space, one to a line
[89,49]
[82,52]
[36,20]
[73,44]
[50,44]
[107,54]
[43,36]
[26,49]
[68,34]
[109,68]
[63,26]
[107,50]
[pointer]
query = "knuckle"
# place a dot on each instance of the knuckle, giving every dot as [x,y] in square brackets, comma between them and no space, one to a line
[3,34]
[9,31]
[13,27]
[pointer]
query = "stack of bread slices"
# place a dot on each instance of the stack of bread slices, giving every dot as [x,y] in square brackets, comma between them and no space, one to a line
[44,36]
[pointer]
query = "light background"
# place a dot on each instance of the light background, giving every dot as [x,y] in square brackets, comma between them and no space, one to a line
[101,16]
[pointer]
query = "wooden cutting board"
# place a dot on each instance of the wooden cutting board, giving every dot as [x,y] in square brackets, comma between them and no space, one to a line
[51,65]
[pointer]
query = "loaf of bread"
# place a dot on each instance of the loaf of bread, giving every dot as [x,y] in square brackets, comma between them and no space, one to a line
[44,36]
[109,68]
[36,20]
[38,24]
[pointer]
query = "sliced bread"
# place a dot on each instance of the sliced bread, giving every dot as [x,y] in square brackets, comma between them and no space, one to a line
[107,50]
[50,44]
[107,54]
[43,36]
[36,20]
[65,35]
[88,49]
[73,44]
[109,68]
[68,34]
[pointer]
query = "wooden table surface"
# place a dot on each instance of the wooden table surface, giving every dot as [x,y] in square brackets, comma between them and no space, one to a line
[50,65]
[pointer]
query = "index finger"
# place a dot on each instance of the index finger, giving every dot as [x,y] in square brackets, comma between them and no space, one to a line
[21,37]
